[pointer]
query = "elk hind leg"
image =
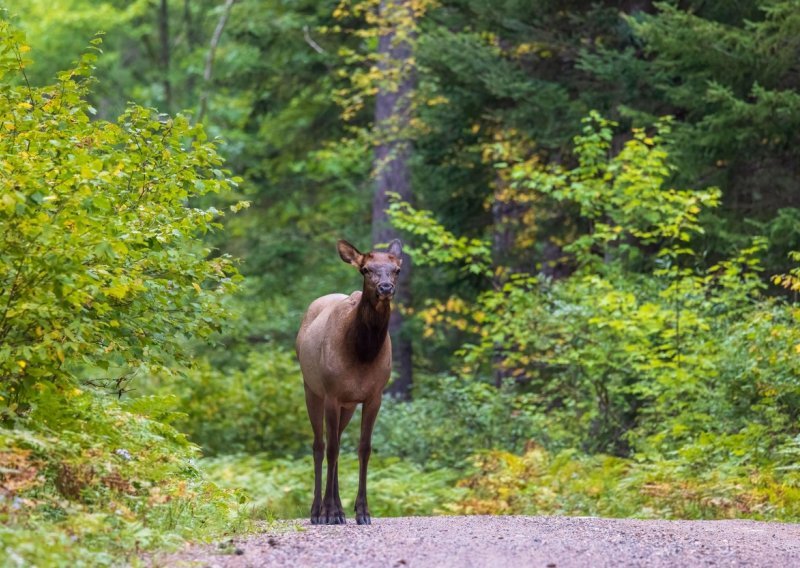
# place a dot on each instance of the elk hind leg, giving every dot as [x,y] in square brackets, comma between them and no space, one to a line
[316,414]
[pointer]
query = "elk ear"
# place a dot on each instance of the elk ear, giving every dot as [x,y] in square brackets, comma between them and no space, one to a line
[395,248]
[349,253]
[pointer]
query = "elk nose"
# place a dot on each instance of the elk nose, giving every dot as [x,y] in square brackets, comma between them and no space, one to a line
[385,288]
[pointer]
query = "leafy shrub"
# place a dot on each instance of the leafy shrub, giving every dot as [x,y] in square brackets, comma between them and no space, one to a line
[683,368]
[103,278]
[102,272]
[104,480]
[450,419]
[645,347]
[710,479]
[260,408]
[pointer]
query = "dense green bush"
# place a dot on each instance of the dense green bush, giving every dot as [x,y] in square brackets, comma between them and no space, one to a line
[104,280]
[646,347]
[103,275]
[450,419]
[260,408]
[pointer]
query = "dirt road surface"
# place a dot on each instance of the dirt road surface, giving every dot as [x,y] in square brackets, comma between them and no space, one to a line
[507,542]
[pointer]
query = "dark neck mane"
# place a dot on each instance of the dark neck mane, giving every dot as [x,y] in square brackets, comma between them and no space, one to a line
[370,326]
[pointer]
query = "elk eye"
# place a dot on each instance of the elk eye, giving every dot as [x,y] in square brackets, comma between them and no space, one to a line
[364,270]
[397,271]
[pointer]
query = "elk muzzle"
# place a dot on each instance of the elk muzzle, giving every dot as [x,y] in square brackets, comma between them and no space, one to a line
[385,290]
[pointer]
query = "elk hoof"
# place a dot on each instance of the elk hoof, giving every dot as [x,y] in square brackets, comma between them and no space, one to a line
[335,519]
[332,518]
[363,519]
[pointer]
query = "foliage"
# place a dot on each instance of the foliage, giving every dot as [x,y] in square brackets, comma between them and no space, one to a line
[725,70]
[103,279]
[285,487]
[688,486]
[260,408]
[101,273]
[61,32]
[450,419]
[623,196]
[631,355]
[790,281]
[735,65]
[104,480]
[474,254]
[369,70]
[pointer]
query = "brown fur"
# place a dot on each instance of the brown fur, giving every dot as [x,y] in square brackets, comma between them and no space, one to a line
[345,355]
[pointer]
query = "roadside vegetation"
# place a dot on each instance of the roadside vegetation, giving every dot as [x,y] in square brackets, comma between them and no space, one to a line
[104,281]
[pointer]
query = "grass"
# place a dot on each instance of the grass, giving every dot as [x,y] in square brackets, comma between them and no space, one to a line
[284,487]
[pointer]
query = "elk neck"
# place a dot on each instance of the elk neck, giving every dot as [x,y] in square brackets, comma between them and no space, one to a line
[370,326]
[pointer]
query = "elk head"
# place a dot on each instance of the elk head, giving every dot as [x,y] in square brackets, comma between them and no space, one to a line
[380,269]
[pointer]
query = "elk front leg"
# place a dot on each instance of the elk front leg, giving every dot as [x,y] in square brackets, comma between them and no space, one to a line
[331,514]
[344,420]
[368,416]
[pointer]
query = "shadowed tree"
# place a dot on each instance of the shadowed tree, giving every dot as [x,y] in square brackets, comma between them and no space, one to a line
[393,110]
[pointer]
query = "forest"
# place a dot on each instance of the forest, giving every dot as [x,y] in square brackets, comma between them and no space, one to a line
[600,207]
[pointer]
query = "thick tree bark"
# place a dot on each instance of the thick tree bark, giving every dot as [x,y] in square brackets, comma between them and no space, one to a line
[391,165]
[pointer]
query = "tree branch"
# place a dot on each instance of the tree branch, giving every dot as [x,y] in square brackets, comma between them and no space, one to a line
[310,41]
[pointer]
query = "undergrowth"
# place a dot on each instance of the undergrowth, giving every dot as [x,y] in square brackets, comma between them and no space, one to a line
[705,480]
[570,483]
[86,480]
[285,486]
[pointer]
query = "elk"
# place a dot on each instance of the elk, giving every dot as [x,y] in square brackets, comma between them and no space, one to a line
[345,356]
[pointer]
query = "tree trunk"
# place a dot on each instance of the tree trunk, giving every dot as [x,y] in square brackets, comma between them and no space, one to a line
[164,55]
[506,218]
[391,167]
[502,242]
[192,35]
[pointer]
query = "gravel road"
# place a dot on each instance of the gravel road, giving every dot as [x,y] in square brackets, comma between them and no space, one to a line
[507,542]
